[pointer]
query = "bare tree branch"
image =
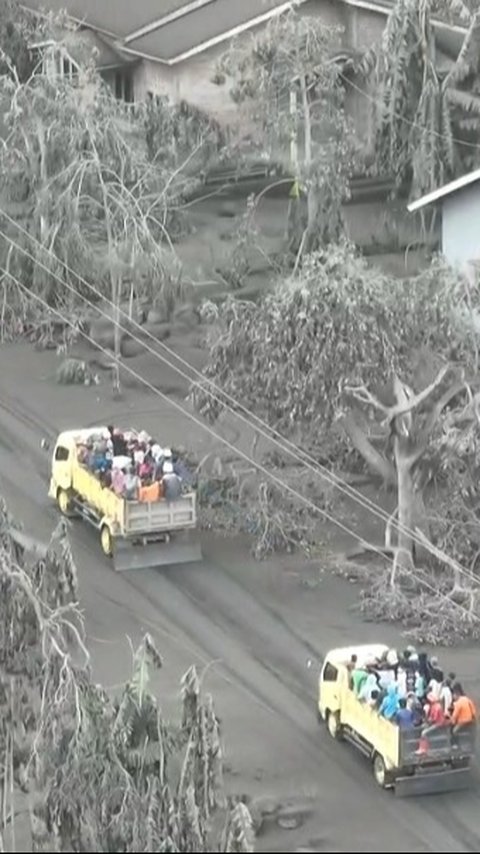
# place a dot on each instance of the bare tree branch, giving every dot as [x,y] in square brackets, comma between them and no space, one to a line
[364,396]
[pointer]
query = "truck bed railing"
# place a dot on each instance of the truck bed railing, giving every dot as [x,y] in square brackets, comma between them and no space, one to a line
[441,743]
[160,515]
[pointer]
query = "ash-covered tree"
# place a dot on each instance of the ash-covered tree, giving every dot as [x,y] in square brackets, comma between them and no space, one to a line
[290,90]
[429,105]
[341,357]
[76,169]
[100,773]
[182,133]
[17,30]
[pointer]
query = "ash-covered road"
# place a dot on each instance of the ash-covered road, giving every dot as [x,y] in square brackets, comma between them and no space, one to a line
[264,692]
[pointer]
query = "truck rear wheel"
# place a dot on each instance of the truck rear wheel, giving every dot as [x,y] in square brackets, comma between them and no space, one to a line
[380,773]
[106,541]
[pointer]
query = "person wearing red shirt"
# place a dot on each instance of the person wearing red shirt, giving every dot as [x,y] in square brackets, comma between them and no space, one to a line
[434,719]
[435,715]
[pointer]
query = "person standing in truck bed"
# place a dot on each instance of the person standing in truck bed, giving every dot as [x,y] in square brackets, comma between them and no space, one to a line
[118,442]
[464,711]
[172,485]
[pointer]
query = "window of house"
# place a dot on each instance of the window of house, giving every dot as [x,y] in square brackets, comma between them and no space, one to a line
[330,673]
[53,60]
[62,454]
[68,68]
[123,86]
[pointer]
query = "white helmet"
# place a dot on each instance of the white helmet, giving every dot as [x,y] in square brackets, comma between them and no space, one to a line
[167,467]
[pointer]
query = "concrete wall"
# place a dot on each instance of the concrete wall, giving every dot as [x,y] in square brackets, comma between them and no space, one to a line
[461,226]
[189,81]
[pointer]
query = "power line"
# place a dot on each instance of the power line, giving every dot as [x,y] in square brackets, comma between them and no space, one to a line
[285,486]
[264,429]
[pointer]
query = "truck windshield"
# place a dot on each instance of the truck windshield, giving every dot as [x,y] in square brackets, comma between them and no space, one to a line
[61,454]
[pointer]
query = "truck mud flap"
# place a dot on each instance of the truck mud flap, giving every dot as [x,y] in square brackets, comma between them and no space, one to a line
[127,557]
[453,780]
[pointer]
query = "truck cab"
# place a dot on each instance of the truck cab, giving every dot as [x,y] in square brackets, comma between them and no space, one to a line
[63,460]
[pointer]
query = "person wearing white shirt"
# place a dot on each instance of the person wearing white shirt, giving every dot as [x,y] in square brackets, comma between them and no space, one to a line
[446,695]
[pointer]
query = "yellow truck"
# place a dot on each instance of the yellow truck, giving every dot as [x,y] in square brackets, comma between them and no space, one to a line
[393,753]
[134,534]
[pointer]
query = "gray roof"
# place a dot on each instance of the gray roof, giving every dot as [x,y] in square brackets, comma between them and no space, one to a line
[201,25]
[201,20]
[117,17]
[167,36]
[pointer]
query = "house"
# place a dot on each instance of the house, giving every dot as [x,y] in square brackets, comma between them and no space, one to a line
[174,52]
[459,204]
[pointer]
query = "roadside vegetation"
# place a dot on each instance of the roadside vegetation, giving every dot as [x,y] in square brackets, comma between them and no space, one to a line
[99,771]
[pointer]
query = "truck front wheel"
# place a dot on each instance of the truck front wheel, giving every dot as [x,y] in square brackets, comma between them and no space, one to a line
[334,726]
[106,541]
[64,503]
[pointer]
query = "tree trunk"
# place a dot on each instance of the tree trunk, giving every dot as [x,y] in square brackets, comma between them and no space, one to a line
[406,504]
[311,237]
[375,461]
[116,290]
[116,296]
[420,519]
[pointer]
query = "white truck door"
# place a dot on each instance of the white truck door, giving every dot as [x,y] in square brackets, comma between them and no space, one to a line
[62,466]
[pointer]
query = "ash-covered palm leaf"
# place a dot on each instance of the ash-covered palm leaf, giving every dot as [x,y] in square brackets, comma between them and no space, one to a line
[422,139]
[216,796]
[137,730]
[239,835]
[146,658]
[193,821]
[190,691]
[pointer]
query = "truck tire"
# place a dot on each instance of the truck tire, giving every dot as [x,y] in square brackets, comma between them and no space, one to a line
[106,541]
[64,502]
[380,772]
[334,726]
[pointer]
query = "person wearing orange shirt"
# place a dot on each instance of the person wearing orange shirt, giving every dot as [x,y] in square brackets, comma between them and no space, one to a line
[464,711]
[150,492]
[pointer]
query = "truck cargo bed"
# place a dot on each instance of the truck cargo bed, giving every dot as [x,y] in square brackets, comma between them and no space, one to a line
[133,518]
[443,745]
[162,515]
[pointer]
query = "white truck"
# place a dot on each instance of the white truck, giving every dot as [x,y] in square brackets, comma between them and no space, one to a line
[135,534]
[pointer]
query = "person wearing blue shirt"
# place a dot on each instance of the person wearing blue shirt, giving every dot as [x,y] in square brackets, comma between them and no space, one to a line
[390,703]
[405,716]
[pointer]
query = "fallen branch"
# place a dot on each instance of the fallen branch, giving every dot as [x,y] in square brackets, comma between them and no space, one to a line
[429,612]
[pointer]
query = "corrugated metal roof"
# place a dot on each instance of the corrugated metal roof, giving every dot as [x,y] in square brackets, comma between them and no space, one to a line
[117,17]
[446,190]
[201,25]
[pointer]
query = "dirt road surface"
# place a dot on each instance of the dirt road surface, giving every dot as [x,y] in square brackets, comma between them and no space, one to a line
[258,629]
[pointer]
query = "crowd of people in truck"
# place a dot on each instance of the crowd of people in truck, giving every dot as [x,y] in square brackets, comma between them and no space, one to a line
[412,691]
[134,465]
